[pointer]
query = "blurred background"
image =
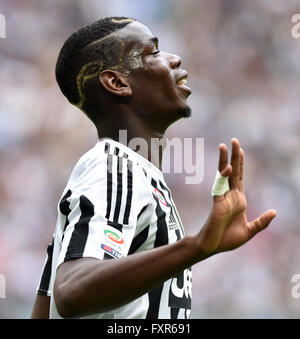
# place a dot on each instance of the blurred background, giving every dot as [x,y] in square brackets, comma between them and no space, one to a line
[244,70]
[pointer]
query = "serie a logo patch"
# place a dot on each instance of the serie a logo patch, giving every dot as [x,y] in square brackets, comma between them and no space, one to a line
[113,236]
[113,242]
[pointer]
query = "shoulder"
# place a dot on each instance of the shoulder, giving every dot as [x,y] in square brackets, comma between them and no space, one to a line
[90,167]
[107,162]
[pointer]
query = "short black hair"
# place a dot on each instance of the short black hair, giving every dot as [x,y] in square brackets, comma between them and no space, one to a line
[82,58]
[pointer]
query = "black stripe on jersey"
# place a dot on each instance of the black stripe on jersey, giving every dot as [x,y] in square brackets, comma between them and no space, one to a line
[46,275]
[116,151]
[154,302]
[138,241]
[119,190]
[115,225]
[142,211]
[81,229]
[107,256]
[129,192]
[64,207]
[109,185]
[178,234]
[174,313]
[107,147]
[160,240]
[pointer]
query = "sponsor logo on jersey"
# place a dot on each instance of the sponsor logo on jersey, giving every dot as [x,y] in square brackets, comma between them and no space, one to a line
[173,225]
[111,251]
[160,196]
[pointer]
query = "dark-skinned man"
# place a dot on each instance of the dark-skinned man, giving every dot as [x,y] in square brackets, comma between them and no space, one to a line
[119,248]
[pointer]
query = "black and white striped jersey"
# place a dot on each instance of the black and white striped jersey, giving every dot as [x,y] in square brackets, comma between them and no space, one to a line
[116,203]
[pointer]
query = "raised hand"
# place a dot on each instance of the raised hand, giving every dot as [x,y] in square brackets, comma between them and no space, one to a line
[227,226]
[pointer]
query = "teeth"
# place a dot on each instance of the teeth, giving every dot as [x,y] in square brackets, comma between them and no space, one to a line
[181,82]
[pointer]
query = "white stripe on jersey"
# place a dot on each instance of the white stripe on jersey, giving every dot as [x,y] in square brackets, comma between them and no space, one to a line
[116,203]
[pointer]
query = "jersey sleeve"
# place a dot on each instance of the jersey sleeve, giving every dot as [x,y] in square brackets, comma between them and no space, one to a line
[99,214]
[44,284]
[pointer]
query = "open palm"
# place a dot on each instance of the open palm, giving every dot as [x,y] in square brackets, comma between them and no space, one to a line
[227,226]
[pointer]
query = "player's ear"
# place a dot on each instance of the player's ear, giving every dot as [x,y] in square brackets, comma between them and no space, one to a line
[115,82]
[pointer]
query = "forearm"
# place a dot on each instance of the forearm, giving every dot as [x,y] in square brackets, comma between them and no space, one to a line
[99,286]
[41,307]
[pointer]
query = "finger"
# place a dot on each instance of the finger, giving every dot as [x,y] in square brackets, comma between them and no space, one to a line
[227,171]
[261,222]
[241,187]
[223,157]
[242,157]
[241,184]
[235,164]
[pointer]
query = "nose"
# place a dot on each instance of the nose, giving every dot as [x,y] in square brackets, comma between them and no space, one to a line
[174,60]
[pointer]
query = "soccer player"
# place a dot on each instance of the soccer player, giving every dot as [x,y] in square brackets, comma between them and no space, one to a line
[119,248]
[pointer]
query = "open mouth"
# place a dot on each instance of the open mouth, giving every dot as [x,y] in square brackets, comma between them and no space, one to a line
[181,83]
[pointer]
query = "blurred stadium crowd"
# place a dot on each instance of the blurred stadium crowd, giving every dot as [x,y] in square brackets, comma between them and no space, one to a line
[244,70]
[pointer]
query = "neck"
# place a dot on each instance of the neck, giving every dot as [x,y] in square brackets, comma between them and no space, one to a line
[133,132]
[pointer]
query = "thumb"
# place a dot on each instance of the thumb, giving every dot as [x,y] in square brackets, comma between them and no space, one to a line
[261,222]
